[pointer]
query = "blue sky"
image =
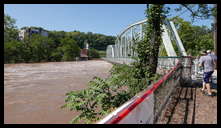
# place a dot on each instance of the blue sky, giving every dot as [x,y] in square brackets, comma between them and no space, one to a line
[108,19]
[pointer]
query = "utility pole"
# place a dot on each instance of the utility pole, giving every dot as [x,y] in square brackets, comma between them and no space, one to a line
[215,30]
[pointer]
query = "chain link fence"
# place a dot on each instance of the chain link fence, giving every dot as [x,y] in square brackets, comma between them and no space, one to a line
[155,98]
[161,95]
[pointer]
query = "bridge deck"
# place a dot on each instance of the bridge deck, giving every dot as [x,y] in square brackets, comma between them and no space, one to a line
[188,105]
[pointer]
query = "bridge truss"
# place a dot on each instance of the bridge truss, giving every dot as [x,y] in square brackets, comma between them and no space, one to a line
[125,40]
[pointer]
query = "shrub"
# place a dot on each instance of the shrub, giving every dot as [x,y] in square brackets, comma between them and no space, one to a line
[93,53]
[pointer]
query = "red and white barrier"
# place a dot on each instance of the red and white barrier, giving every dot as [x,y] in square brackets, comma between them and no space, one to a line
[125,115]
[138,110]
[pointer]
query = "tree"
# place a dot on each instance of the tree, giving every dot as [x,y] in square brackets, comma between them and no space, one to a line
[97,41]
[93,53]
[10,30]
[148,48]
[203,11]
[69,49]
[40,48]
[79,37]
[12,52]
[193,37]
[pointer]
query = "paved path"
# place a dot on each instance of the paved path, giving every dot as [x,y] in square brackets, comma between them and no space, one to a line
[188,105]
[206,108]
[33,93]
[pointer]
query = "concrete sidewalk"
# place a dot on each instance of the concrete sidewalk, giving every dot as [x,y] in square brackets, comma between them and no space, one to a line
[206,107]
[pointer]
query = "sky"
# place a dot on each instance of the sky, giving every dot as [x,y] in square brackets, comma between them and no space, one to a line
[108,19]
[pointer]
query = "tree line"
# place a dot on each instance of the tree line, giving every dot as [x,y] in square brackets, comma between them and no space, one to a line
[57,46]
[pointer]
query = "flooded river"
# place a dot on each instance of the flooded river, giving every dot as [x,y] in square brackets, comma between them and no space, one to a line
[33,93]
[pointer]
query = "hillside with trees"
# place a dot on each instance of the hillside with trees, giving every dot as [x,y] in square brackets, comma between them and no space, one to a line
[66,46]
[57,46]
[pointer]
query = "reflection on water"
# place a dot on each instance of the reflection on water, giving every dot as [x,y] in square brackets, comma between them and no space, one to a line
[33,93]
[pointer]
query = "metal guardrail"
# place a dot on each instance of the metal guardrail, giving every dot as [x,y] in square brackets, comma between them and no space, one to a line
[165,63]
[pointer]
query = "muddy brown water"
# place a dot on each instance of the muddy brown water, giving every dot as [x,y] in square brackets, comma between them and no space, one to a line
[34,93]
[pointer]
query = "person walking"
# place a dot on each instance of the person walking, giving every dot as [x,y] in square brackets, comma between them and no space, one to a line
[202,53]
[211,53]
[208,63]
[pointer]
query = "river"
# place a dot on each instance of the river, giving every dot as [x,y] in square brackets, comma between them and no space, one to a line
[34,92]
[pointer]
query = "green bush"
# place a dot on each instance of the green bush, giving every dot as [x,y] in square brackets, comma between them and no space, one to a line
[13,52]
[102,53]
[104,95]
[93,53]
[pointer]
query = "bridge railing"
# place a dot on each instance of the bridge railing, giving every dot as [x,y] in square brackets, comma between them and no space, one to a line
[169,83]
[165,63]
[120,60]
[146,107]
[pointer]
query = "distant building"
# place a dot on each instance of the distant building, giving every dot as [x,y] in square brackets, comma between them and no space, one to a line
[84,52]
[28,31]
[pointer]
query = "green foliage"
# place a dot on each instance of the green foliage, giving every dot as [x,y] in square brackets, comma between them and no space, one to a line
[39,47]
[194,38]
[102,53]
[12,51]
[200,11]
[10,30]
[96,41]
[58,46]
[162,51]
[148,48]
[104,95]
[69,49]
[203,11]
[93,53]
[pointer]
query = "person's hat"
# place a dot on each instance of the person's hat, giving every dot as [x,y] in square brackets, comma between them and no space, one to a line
[208,51]
[203,52]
